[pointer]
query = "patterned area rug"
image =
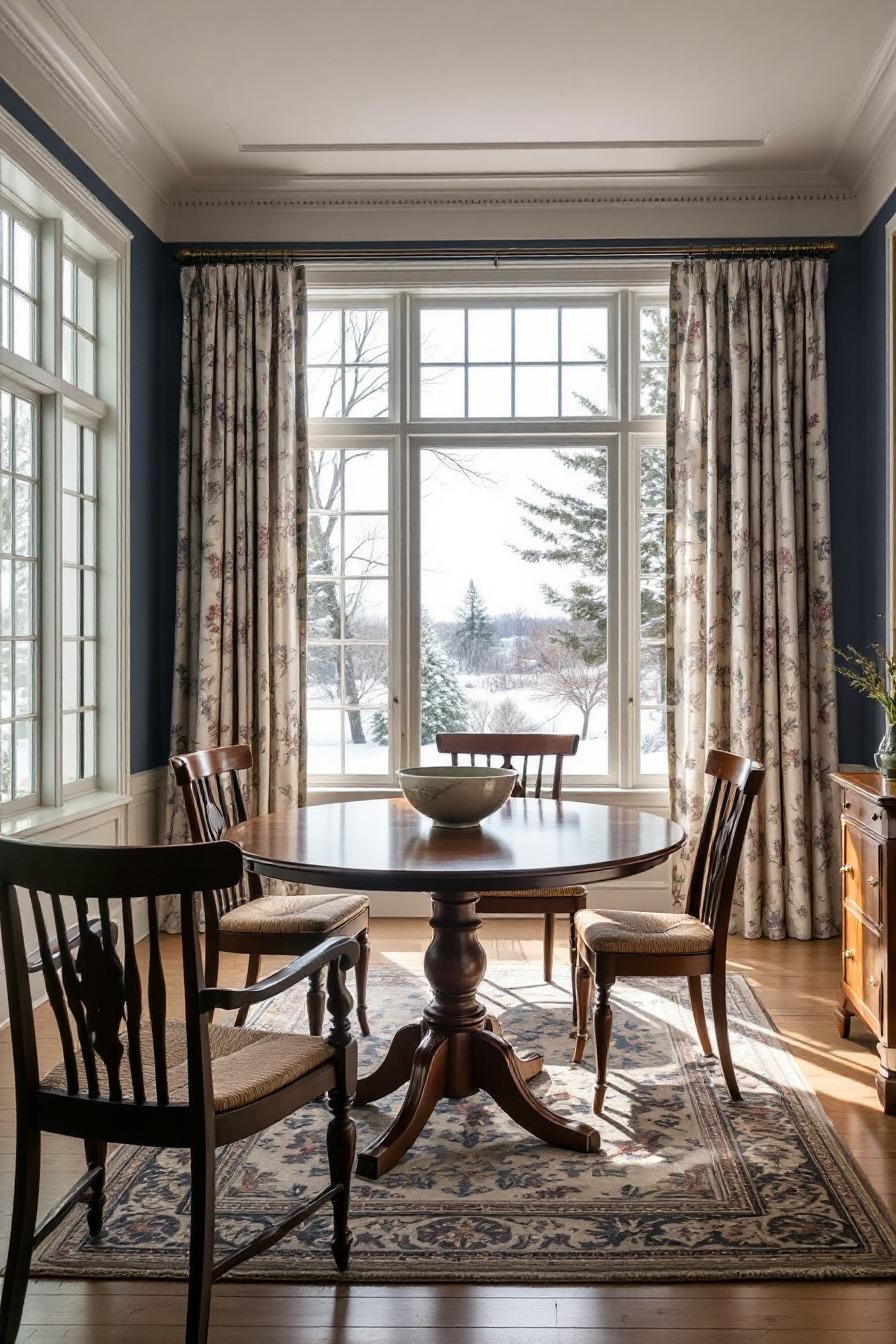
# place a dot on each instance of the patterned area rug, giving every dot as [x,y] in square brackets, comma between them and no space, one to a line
[688,1186]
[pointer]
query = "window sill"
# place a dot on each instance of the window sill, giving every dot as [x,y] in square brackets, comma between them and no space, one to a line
[38,819]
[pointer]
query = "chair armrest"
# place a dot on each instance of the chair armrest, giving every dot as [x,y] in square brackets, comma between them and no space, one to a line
[333,949]
[73,939]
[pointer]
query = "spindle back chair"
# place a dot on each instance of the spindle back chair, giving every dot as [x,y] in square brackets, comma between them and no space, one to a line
[521,751]
[209,780]
[129,1074]
[693,943]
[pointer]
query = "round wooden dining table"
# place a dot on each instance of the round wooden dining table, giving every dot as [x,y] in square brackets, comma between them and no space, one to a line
[456,1048]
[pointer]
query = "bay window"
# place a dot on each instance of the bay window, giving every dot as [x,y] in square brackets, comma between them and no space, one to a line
[63,476]
[487,515]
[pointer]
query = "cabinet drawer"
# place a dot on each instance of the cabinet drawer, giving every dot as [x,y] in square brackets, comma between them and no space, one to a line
[862,871]
[865,811]
[863,964]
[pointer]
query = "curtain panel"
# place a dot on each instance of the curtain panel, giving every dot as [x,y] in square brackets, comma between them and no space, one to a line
[241,546]
[749,664]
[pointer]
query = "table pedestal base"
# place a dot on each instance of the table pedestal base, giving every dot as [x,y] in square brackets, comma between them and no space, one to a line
[457,1049]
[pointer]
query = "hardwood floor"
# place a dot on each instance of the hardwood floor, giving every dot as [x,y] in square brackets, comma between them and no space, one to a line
[797,984]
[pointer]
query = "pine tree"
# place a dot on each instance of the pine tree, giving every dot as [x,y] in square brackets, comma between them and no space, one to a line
[570,529]
[475,634]
[443,705]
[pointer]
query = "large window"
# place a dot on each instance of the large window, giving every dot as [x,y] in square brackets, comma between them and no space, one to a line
[487,535]
[63,538]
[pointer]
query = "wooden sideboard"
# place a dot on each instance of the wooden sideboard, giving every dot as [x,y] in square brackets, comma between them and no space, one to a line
[868,894]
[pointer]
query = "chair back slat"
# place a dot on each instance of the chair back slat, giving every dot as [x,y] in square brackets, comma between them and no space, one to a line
[73,997]
[134,1005]
[98,997]
[736,782]
[520,748]
[206,778]
[55,995]
[157,1004]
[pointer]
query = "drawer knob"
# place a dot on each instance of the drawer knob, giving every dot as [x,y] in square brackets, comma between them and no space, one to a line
[873,882]
[873,982]
[847,805]
[848,954]
[847,868]
[875,816]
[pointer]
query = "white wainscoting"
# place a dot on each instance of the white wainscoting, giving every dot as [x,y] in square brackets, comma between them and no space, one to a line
[133,820]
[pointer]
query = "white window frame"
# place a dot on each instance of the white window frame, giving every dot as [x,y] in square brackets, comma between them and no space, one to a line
[622,429]
[69,219]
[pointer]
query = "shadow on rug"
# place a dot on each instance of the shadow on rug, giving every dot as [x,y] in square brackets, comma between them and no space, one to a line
[689,1185]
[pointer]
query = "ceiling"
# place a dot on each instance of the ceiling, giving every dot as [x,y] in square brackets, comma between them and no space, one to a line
[286,114]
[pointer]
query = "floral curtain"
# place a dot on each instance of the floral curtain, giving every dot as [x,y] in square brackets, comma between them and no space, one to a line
[242,483]
[749,662]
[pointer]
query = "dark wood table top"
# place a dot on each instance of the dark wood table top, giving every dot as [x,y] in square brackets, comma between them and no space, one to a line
[384,845]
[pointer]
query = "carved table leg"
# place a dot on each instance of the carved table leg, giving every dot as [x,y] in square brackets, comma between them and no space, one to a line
[530,1066]
[395,1069]
[456,1051]
[426,1087]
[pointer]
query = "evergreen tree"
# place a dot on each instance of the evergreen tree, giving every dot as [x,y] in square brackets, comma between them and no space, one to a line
[570,529]
[475,634]
[443,705]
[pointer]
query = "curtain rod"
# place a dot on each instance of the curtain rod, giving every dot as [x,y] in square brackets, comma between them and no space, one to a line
[505,253]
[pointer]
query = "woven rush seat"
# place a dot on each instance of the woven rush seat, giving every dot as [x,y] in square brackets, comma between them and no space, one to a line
[571,896]
[284,913]
[642,931]
[246,1065]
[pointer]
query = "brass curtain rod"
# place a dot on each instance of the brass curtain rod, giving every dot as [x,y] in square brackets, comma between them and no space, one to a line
[497,255]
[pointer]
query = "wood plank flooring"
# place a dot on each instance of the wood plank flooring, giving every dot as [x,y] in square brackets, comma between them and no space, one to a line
[795,981]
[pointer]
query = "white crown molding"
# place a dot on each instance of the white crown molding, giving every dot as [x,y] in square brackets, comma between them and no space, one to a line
[51,62]
[56,66]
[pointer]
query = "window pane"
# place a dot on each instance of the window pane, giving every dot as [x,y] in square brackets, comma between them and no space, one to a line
[70,747]
[536,390]
[653,614]
[71,689]
[6,245]
[88,730]
[367,336]
[366,392]
[653,333]
[488,392]
[86,302]
[366,545]
[366,743]
[653,674]
[88,461]
[86,374]
[325,337]
[71,543]
[324,390]
[652,390]
[71,617]
[585,333]
[324,674]
[441,335]
[68,353]
[367,480]
[325,480]
[514,624]
[324,741]
[324,610]
[24,326]
[535,336]
[24,435]
[88,532]
[585,389]
[24,518]
[5,762]
[24,739]
[23,658]
[441,392]
[68,290]
[489,335]
[6,678]
[6,433]
[25,577]
[7,491]
[324,544]
[653,609]
[6,606]
[88,585]
[366,608]
[24,258]
[88,672]
[654,758]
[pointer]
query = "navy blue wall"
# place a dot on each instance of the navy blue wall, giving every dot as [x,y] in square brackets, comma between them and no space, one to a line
[154,392]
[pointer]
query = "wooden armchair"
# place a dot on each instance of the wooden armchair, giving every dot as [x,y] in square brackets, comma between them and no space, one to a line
[243,919]
[523,748]
[693,943]
[130,1075]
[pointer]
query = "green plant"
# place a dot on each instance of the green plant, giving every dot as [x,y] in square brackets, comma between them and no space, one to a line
[873,674]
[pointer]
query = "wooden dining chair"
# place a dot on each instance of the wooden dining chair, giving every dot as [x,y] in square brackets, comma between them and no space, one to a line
[244,919]
[533,781]
[131,1075]
[693,943]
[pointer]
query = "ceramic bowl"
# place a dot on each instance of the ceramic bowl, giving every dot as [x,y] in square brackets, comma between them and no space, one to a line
[456,795]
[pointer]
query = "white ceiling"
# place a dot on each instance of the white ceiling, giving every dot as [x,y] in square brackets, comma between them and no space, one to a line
[219,107]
